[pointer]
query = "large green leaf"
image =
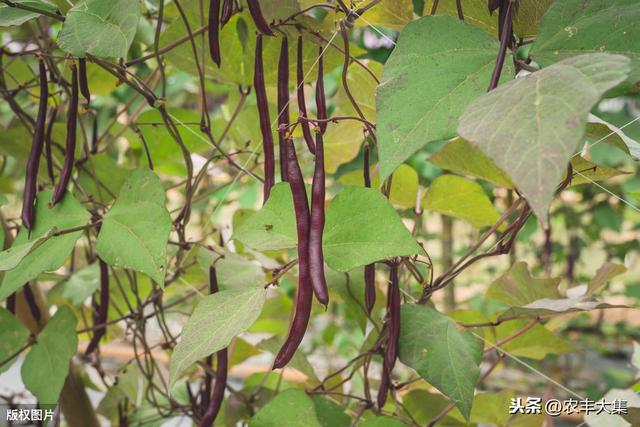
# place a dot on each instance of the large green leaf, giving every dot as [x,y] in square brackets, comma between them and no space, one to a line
[439,66]
[45,367]
[215,321]
[461,198]
[518,287]
[13,16]
[13,335]
[362,227]
[51,254]
[290,408]
[272,227]
[135,231]
[536,343]
[531,127]
[447,358]
[572,27]
[100,28]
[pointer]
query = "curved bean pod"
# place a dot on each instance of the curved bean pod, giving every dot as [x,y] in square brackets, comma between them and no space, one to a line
[37,144]
[393,313]
[83,81]
[258,17]
[70,147]
[265,126]
[304,296]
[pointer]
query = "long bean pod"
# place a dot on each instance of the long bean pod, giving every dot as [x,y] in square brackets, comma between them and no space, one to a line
[370,269]
[383,390]
[83,80]
[70,147]
[37,144]
[321,99]
[265,126]
[302,106]
[283,106]
[48,155]
[214,31]
[316,256]
[214,402]
[393,313]
[100,318]
[304,296]
[30,299]
[258,17]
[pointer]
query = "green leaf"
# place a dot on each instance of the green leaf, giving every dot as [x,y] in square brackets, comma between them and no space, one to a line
[49,255]
[13,336]
[272,227]
[82,284]
[460,198]
[536,343]
[329,413]
[599,130]
[488,408]
[215,321]
[12,256]
[456,60]
[47,364]
[13,16]
[383,421]
[290,408]
[404,186]
[576,299]
[573,27]
[362,227]
[393,14]
[517,287]
[135,231]
[605,273]
[461,157]
[101,177]
[447,358]
[424,406]
[589,172]
[102,29]
[550,108]
[605,419]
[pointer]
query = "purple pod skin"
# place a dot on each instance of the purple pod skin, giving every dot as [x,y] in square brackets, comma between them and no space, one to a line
[302,106]
[369,287]
[304,297]
[47,145]
[393,308]
[265,126]
[227,12]
[70,147]
[316,257]
[283,106]
[321,99]
[384,388]
[214,31]
[83,81]
[37,145]
[101,317]
[214,402]
[258,17]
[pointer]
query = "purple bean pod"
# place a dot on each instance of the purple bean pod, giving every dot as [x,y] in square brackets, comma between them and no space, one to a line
[37,144]
[321,99]
[302,106]
[70,147]
[227,12]
[214,402]
[283,106]
[265,125]
[258,17]
[304,297]
[214,31]
[316,256]
[83,81]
